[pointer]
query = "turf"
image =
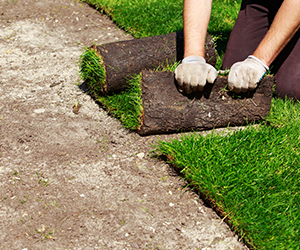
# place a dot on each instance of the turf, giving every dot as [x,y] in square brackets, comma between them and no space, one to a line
[92,71]
[251,176]
[127,105]
[143,18]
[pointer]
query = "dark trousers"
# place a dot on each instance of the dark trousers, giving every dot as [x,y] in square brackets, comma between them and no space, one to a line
[254,20]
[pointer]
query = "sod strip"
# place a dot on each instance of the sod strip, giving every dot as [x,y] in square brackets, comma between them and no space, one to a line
[121,60]
[167,110]
[92,71]
[126,105]
[251,178]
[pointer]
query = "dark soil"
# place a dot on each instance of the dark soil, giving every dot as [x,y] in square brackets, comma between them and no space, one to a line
[71,176]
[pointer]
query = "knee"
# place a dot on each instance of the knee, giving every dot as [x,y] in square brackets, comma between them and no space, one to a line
[286,87]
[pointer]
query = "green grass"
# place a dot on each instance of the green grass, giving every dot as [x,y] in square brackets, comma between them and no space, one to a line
[252,176]
[127,105]
[142,18]
[92,71]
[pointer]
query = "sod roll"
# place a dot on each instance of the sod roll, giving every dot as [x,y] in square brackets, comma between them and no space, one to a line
[167,110]
[123,59]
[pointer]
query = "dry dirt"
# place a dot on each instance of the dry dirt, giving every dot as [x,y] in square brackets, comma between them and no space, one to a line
[81,181]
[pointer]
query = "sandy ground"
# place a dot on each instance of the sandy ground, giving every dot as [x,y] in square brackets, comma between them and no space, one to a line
[81,181]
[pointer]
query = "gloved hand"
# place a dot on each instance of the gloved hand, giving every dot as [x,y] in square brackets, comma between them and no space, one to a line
[245,75]
[192,74]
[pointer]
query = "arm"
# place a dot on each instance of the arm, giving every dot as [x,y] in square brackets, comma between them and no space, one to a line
[285,25]
[245,75]
[193,73]
[196,15]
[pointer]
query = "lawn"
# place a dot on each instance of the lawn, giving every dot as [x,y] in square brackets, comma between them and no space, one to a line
[251,177]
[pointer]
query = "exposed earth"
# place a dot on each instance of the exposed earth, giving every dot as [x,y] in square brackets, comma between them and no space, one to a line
[75,179]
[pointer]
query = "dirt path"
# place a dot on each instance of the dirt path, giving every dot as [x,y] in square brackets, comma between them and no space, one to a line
[80,181]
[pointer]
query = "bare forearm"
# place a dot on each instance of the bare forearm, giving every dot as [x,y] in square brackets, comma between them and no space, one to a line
[196,15]
[283,28]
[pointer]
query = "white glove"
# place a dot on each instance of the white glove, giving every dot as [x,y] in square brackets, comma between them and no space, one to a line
[191,75]
[245,75]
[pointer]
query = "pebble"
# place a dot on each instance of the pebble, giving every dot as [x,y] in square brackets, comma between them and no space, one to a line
[140,155]
[39,111]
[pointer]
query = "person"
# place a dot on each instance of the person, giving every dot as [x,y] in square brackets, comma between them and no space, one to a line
[265,35]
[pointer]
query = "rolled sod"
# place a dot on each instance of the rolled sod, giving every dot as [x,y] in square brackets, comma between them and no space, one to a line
[120,60]
[167,110]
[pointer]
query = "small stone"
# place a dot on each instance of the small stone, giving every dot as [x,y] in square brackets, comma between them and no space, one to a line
[140,155]
[39,111]
[201,210]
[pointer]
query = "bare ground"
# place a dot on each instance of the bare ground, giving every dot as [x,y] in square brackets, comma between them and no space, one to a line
[81,181]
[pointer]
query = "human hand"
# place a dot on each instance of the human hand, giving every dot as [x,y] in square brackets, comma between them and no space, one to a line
[245,75]
[191,75]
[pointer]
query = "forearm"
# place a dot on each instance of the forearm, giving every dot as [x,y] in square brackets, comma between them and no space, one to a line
[283,28]
[196,15]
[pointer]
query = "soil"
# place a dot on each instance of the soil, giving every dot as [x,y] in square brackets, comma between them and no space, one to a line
[71,176]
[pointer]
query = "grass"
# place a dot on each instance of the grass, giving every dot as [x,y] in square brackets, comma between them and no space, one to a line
[127,106]
[148,18]
[142,18]
[139,17]
[251,176]
[92,71]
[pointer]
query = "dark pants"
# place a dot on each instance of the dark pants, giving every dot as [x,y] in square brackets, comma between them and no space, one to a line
[254,20]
